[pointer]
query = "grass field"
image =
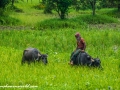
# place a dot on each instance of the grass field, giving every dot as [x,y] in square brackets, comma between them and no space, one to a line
[58,44]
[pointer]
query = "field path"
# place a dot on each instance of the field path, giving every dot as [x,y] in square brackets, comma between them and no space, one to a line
[2,27]
[98,26]
[104,26]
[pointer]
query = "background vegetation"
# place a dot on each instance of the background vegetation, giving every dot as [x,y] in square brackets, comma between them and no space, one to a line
[24,26]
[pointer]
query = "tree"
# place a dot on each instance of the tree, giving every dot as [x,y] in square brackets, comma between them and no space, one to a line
[3,3]
[62,7]
[13,1]
[90,4]
[87,4]
[76,4]
[111,4]
[93,5]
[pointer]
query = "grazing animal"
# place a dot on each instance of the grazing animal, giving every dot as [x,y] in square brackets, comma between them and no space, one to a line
[32,55]
[96,62]
[84,59]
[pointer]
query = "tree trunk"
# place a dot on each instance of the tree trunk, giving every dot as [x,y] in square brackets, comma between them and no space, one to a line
[119,7]
[93,3]
[13,2]
[93,8]
[62,16]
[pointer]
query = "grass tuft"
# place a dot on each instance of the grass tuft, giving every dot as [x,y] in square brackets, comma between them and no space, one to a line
[6,20]
[77,22]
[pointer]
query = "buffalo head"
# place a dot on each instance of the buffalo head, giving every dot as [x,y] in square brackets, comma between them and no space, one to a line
[43,57]
[95,62]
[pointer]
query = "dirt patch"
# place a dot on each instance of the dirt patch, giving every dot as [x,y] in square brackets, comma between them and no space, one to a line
[105,26]
[16,27]
[95,26]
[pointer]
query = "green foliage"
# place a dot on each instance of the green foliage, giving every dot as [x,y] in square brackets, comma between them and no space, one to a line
[2,12]
[77,22]
[39,6]
[109,3]
[97,19]
[49,6]
[14,8]
[113,13]
[3,3]
[62,7]
[58,74]
[58,42]
[6,20]
[57,23]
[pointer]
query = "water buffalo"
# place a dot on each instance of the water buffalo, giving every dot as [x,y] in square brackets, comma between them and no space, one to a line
[84,59]
[33,55]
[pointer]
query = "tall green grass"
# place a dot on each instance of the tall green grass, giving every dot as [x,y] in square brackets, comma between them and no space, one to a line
[58,41]
[6,20]
[58,45]
[113,12]
[77,22]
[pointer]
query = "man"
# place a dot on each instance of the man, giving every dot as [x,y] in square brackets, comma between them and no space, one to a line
[81,46]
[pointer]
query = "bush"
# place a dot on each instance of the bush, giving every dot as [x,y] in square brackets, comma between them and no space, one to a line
[114,13]
[77,22]
[16,9]
[3,3]
[1,12]
[58,23]
[8,21]
[39,7]
[97,19]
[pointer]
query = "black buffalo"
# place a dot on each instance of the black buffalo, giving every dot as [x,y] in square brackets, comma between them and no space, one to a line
[33,55]
[84,59]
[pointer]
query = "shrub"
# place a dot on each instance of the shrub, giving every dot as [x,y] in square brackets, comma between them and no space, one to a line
[39,6]
[8,21]
[3,3]
[114,13]
[80,21]
[97,19]
[16,9]
[58,23]
[1,12]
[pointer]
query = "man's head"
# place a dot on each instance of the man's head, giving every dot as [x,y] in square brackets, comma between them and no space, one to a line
[77,35]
